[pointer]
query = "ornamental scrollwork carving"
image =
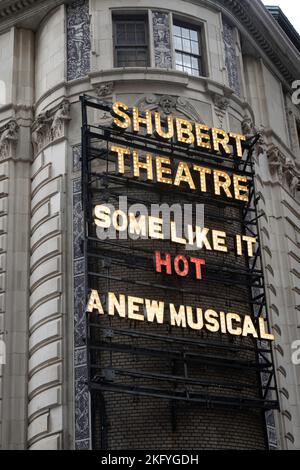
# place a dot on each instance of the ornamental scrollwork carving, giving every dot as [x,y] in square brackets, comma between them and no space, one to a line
[221,104]
[60,119]
[167,104]
[78,39]
[292,177]
[284,169]
[104,89]
[162,39]
[50,126]
[9,135]
[248,128]
[276,162]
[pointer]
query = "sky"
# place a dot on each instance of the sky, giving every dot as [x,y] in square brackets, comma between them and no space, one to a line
[290,8]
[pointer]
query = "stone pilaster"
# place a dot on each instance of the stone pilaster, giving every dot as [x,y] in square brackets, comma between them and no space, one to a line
[47,321]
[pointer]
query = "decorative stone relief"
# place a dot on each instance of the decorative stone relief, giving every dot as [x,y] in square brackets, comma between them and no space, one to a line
[104,89]
[261,146]
[82,432]
[167,104]
[248,128]
[221,104]
[9,135]
[285,170]
[276,162]
[292,177]
[250,131]
[162,39]
[61,117]
[78,39]
[231,60]
[77,160]
[50,126]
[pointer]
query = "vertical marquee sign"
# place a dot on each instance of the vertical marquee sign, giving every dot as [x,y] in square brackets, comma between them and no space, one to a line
[179,312]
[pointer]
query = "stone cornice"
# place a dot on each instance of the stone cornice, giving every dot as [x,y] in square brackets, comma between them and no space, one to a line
[28,12]
[268,35]
[13,7]
[252,18]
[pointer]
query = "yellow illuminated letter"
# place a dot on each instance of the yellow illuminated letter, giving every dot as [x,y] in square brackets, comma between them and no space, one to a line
[220,141]
[238,188]
[211,318]
[184,174]
[161,170]
[158,129]
[146,121]
[138,165]
[134,308]
[94,303]
[219,241]
[203,139]
[102,216]
[203,172]
[154,310]
[116,305]
[178,318]
[238,139]
[262,331]
[117,108]
[184,131]
[121,152]
[249,328]
[236,331]
[198,324]
[225,185]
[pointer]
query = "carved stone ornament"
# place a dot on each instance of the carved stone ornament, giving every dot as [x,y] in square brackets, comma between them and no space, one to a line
[50,126]
[292,177]
[167,104]
[78,39]
[162,39]
[221,104]
[248,128]
[276,162]
[9,135]
[104,89]
[286,170]
[261,145]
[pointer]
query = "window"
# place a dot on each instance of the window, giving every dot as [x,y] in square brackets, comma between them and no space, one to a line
[131,42]
[187,41]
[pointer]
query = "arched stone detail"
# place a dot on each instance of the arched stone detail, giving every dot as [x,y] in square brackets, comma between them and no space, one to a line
[168,104]
[282,371]
[287,415]
[277,329]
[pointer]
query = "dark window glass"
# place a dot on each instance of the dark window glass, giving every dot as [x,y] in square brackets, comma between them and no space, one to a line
[131,42]
[188,49]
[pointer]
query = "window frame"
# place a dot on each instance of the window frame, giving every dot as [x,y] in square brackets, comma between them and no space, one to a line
[134,18]
[200,29]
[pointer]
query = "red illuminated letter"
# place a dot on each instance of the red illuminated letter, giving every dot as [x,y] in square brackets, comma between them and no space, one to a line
[181,272]
[160,262]
[198,263]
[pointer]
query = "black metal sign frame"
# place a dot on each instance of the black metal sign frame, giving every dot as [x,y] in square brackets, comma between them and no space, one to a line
[187,351]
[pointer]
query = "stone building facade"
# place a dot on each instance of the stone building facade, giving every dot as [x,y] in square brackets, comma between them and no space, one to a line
[52,52]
